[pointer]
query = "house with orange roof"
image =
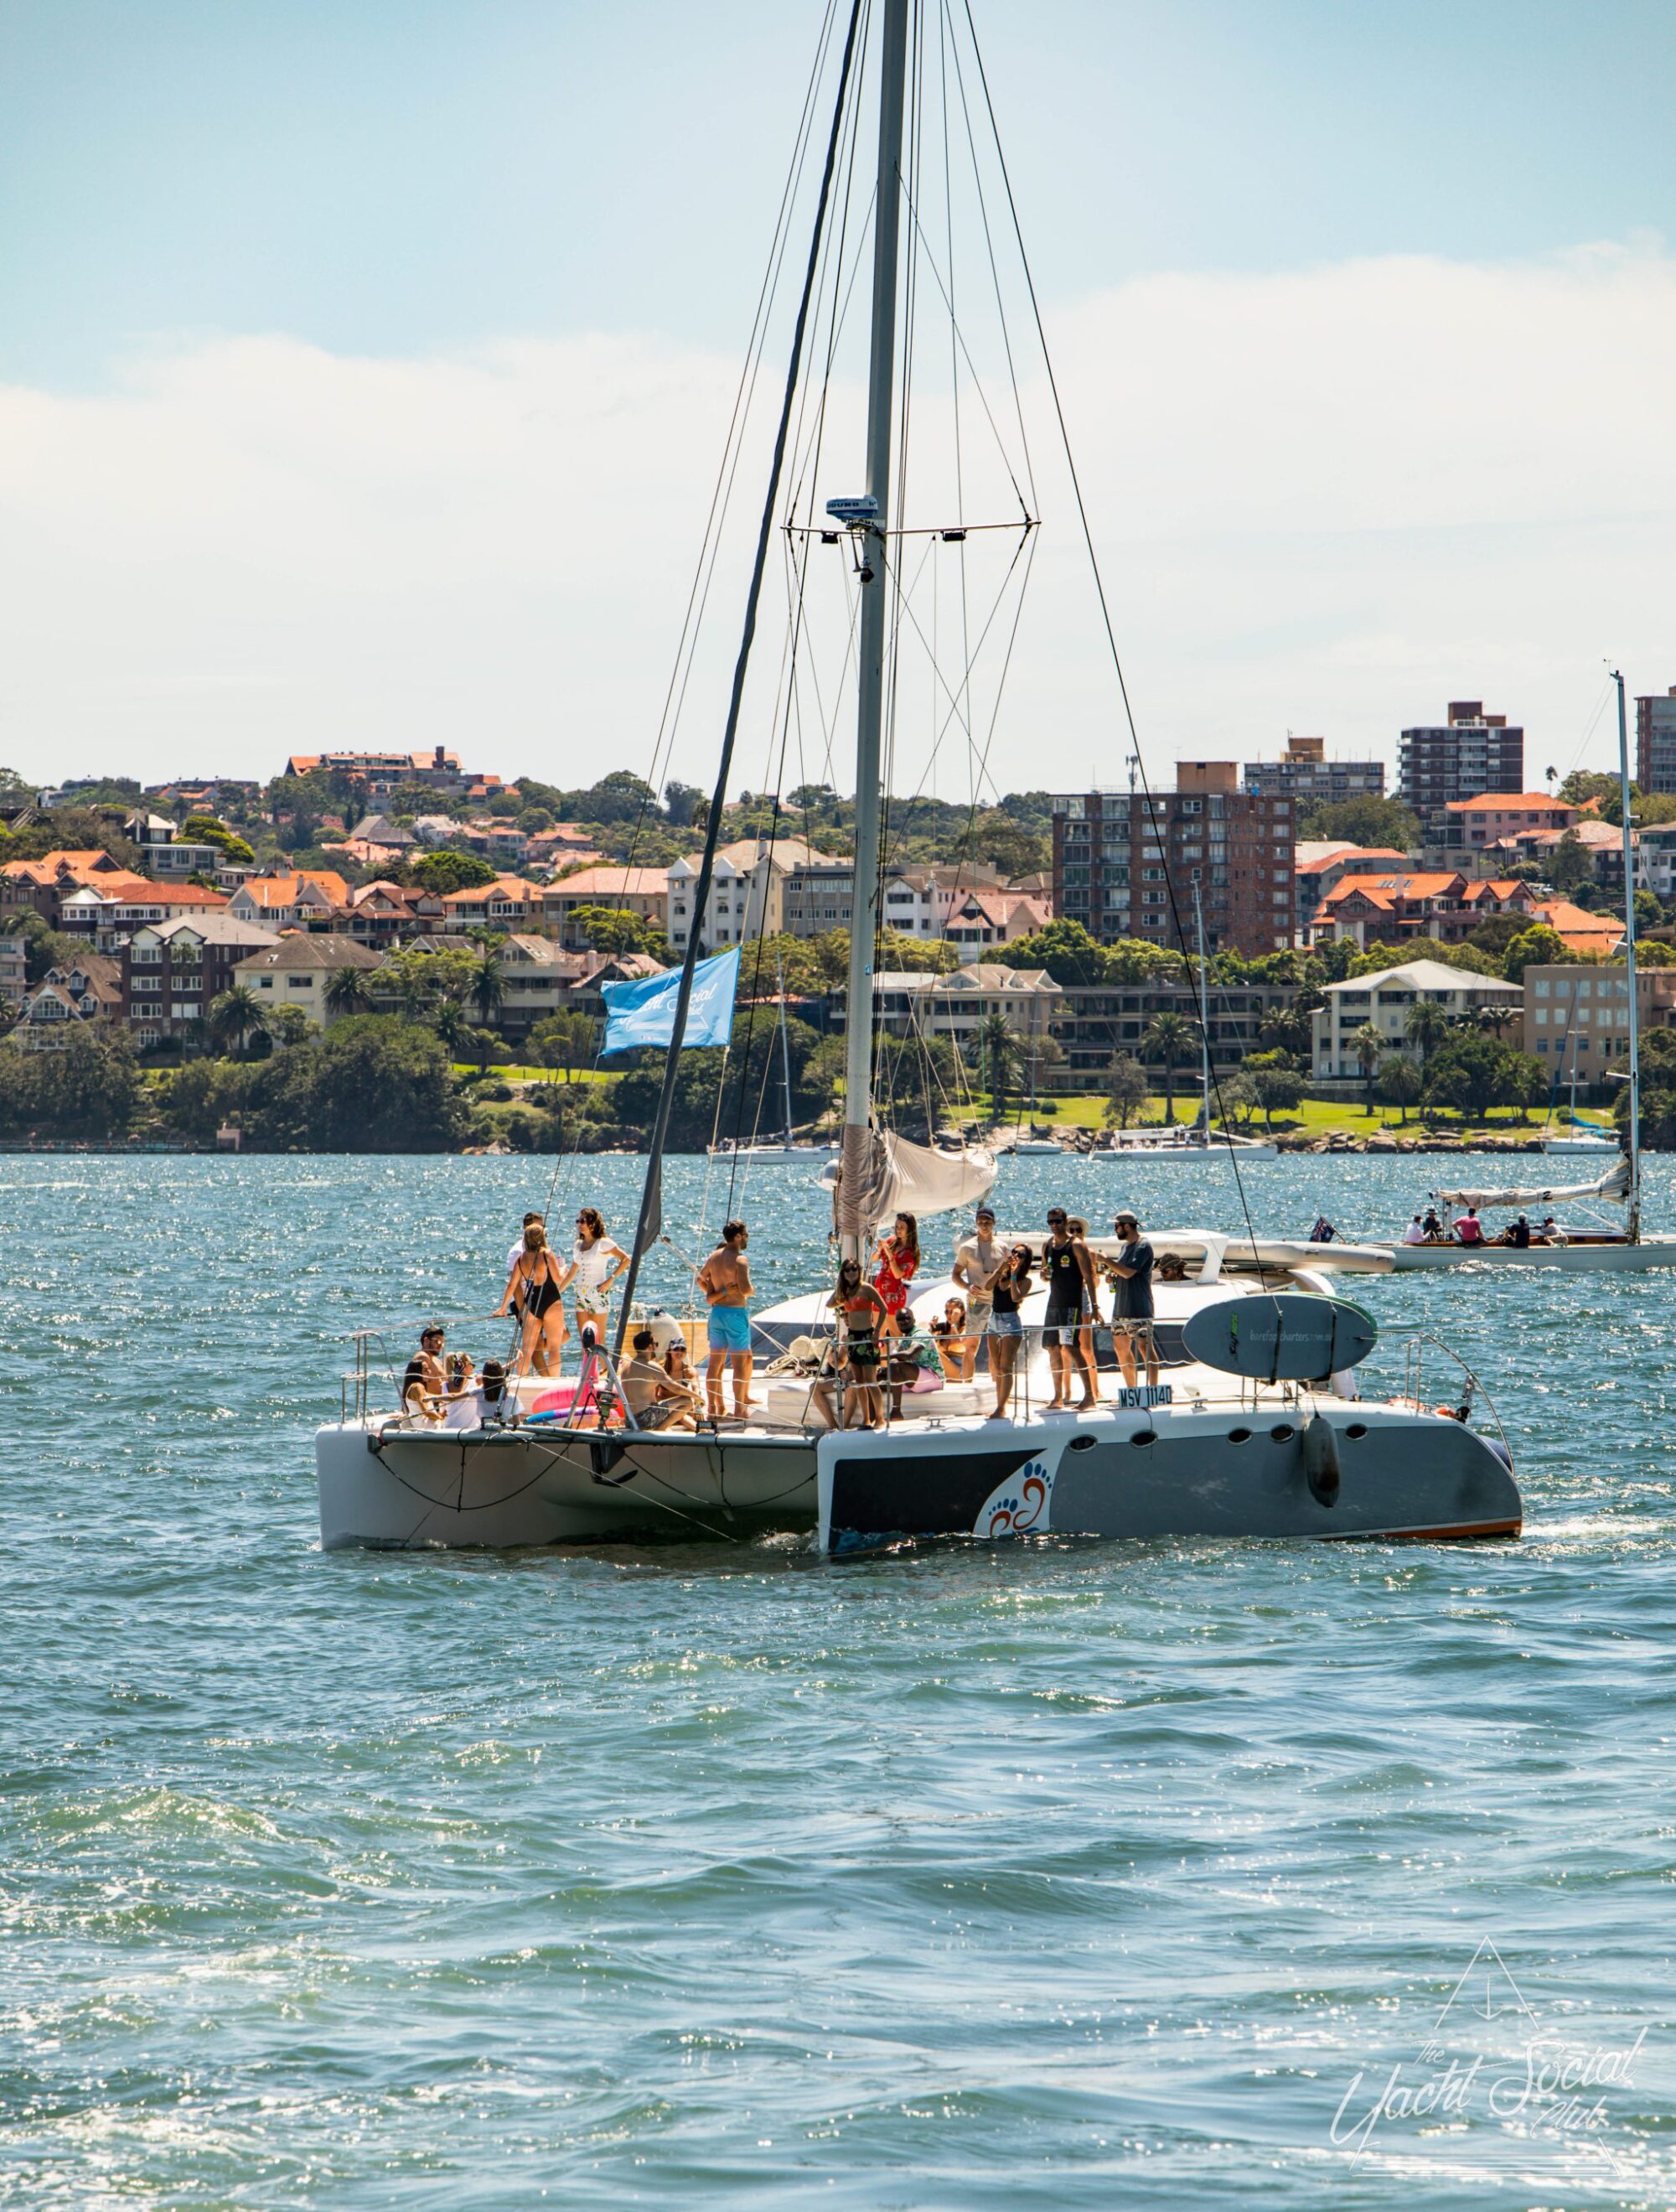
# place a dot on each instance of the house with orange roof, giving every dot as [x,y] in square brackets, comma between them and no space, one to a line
[643,891]
[308,898]
[1387,909]
[986,917]
[43,884]
[1319,864]
[508,902]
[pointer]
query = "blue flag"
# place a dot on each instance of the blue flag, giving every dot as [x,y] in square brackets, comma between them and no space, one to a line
[643,1011]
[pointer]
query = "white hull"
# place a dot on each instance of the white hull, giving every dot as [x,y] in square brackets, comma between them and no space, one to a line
[1241,1470]
[1595,1259]
[1605,1148]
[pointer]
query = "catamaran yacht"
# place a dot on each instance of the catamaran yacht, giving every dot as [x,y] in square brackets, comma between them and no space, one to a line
[1254,1429]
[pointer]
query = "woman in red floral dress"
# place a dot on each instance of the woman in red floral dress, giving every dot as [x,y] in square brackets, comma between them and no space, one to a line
[898,1258]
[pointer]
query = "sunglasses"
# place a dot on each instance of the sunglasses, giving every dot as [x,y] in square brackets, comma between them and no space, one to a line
[1055,1220]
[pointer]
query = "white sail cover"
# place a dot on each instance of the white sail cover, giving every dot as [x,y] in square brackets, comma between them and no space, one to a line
[1615,1183]
[897,1177]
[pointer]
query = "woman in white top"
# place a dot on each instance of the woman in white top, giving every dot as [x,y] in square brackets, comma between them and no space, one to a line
[595,1265]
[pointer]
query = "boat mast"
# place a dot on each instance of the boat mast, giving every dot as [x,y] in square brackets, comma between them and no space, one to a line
[874,586]
[1204,1017]
[785,1048]
[1629,965]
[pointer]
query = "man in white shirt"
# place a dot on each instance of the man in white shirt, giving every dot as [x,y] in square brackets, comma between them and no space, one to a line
[1414,1234]
[976,1259]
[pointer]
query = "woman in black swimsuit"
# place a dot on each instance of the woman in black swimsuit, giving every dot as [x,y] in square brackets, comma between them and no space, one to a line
[537,1280]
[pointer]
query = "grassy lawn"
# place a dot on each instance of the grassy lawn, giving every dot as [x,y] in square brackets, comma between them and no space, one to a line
[1318,1117]
[536,1074]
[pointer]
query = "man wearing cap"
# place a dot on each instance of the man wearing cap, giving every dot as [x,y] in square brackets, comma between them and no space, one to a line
[1130,1275]
[978,1259]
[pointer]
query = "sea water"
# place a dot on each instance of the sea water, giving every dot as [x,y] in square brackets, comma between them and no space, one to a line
[1061,1875]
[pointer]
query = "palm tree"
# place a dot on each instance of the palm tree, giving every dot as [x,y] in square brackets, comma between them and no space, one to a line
[994,1039]
[1425,1025]
[452,1026]
[237,1016]
[349,991]
[1168,1036]
[1367,1044]
[485,987]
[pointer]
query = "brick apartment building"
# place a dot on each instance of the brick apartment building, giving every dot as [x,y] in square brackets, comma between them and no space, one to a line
[172,972]
[1469,753]
[1118,856]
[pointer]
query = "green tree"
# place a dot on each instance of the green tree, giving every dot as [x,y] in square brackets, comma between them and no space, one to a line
[1400,1083]
[89,1087]
[1365,821]
[1570,865]
[289,1025]
[1127,1088]
[1169,1037]
[1524,1080]
[1425,1025]
[236,1016]
[488,987]
[568,1040]
[44,947]
[369,1085]
[1469,1072]
[993,1051]
[1367,1044]
[446,871]
[349,991]
[1276,1081]
[1584,784]
[452,1026]
[205,830]
[1538,947]
[615,930]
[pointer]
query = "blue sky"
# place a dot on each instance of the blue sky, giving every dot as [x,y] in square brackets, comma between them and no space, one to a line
[392,177]
[213,216]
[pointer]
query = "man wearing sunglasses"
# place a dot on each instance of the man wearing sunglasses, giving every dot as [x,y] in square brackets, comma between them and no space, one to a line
[1072,1305]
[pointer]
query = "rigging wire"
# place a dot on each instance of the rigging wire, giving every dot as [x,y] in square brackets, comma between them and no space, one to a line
[1100,588]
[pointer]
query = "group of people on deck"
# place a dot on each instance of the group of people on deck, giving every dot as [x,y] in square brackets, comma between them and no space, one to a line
[1518,1235]
[879,1350]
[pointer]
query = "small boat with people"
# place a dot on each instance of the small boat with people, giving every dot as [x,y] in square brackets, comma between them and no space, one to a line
[1053,1381]
[1452,1233]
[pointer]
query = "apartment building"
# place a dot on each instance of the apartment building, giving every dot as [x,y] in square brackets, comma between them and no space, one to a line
[1470,825]
[642,891]
[1467,753]
[1384,1002]
[14,951]
[1577,1019]
[1304,775]
[172,972]
[298,970]
[1094,1022]
[1128,865]
[1655,741]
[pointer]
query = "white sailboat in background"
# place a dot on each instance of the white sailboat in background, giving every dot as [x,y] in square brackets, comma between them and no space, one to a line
[1597,1247]
[791,1151]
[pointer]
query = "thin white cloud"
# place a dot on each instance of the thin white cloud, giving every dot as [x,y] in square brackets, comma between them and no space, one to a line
[1329,499]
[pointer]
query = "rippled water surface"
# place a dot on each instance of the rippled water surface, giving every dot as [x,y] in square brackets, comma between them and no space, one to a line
[1065,1876]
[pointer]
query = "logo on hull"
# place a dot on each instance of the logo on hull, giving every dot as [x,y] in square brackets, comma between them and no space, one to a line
[1020,1506]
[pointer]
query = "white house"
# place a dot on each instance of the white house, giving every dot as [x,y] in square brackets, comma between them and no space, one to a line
[298,972]
[1386,1000]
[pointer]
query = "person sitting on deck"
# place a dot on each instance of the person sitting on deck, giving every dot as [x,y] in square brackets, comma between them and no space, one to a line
[1469,1230]
[459,1400]
[1432,1229]
[724,1279]
[1172,1268]
[914,1363]
[1520,1235]
[652,1398]
[424,1382]
[677,1369]
[1414,1234]
[954,1342]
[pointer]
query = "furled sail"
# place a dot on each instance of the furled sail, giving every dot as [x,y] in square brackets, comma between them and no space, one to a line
[893,1177]
[1615,1183]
